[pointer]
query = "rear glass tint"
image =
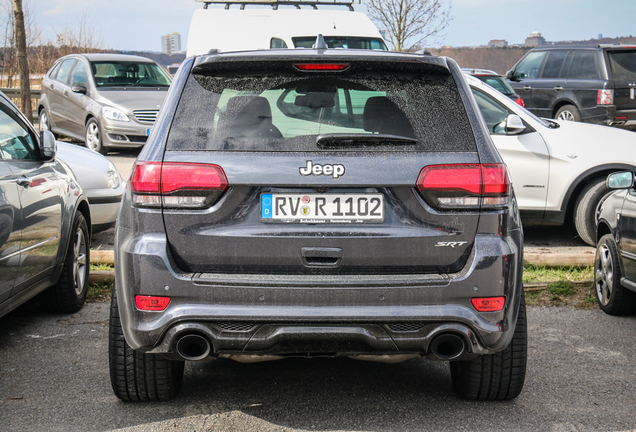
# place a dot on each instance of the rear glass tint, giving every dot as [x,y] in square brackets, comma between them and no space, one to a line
[347,42]
[623,64]
[283,111]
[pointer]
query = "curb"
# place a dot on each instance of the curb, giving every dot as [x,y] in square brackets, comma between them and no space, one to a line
[102,257]
[559,260]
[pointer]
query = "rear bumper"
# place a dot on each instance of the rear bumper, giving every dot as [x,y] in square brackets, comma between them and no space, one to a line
[353,315]
[608,115]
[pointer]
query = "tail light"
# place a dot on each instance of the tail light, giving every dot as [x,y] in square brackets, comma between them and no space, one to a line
[322,67]
[605,97]
[176,184]
[467,186]
[520,102]
[488,304]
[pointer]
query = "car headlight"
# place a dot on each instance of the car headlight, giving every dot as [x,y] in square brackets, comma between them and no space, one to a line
[114,114]
[114,180]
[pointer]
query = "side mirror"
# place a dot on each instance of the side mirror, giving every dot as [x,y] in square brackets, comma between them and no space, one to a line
[514,125]
[620,180]
[78,89]
[48,146]
[510,75]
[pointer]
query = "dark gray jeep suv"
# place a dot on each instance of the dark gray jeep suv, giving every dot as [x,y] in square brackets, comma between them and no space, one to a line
[318,202]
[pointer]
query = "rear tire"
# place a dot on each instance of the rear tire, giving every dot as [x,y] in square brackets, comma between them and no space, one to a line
[495,377]
[138,376]
[586,209]
[69,294]
[612,297]
[569,113]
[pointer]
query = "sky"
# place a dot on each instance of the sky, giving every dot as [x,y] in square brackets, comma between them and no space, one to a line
[137,25]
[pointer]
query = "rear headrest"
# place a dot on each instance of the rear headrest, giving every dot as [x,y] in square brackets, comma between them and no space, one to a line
[316,100]
[383,116]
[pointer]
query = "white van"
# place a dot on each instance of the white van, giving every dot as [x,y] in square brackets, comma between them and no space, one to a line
[248,29]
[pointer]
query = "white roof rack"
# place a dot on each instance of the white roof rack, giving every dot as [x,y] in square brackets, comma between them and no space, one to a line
[275,3]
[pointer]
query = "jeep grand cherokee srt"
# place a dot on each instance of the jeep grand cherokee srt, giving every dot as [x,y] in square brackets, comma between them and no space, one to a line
[318,202]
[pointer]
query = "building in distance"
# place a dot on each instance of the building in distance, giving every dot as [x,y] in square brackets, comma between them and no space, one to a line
[535,39]
[498,43]
[171,43]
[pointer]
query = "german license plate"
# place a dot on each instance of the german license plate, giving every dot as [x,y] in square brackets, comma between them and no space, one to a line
[322,208]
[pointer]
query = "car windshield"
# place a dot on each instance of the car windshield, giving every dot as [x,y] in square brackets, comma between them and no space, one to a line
[128,74]
[274,112]
[347,42]
[498,83]
[623,64]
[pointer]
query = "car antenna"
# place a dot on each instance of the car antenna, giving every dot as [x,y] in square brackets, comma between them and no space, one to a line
[320,43]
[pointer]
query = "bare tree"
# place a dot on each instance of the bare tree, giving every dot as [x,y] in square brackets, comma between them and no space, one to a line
[410,21]
[79,38]
[23,64]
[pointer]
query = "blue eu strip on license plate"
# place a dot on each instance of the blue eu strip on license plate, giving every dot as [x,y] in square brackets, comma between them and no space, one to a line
[266,206]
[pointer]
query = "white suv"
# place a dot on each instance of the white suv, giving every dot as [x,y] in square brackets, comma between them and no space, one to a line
[558,168]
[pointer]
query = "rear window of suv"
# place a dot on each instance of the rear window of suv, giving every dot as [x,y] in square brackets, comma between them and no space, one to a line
[386,110]
[623,64]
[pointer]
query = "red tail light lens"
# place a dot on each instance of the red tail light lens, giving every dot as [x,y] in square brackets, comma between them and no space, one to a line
[489,304]
[145,177]
[176,184]
[185,176]
[465,186]
[520,102]
[323,67]
[152,303]
[605,97]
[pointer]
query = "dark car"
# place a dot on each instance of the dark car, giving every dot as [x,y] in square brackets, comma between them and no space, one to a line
[106,100]
[44,220]
[318,202]
[615,262]
[593,84]
[496,81]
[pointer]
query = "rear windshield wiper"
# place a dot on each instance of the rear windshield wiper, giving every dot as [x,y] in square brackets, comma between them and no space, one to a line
[345,140]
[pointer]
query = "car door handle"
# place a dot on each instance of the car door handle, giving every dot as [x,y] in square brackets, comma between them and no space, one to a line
[52,87]
[23,181]
[66,93]
[527,88]
[558,88]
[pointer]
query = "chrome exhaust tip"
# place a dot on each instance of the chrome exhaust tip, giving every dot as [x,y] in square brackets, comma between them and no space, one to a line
[447,346]
[193,347]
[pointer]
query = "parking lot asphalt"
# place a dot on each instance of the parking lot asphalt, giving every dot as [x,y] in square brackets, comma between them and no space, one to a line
[54,377]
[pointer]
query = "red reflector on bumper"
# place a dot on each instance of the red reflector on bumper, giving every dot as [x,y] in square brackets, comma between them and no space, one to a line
[152,303]
[489,304]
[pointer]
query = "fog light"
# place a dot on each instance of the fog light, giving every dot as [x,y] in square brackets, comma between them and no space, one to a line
[152,303]
[116,137]
[489,304]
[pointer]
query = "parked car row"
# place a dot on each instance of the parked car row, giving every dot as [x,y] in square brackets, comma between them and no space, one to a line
[315,154]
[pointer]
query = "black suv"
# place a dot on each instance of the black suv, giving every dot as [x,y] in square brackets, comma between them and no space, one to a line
[593,84]
[318,202]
